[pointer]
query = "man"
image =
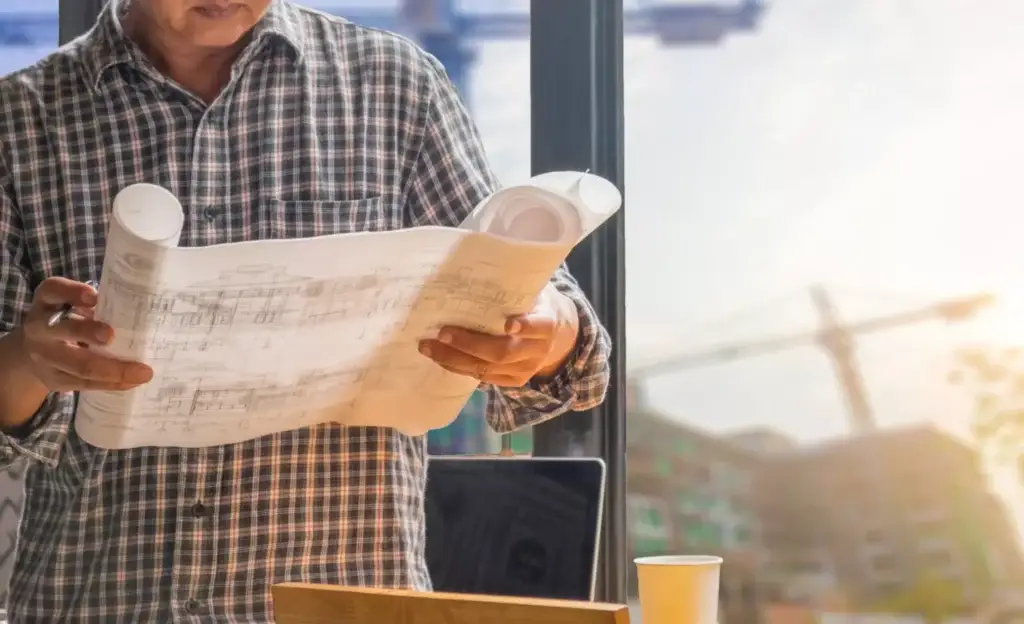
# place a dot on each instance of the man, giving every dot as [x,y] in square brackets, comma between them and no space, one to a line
[266,120]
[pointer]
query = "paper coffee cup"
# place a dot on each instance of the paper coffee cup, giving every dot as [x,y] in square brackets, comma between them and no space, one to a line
[679,589]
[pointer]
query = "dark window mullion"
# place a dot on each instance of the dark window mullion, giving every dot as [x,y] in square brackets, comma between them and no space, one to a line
[577,124]
[77,17]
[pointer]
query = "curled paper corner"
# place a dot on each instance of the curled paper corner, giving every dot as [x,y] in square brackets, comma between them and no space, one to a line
[574,188]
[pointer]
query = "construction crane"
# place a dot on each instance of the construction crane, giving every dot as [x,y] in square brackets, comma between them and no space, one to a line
[834,336]
[448,28]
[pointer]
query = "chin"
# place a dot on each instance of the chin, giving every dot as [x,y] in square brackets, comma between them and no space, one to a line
[218,36]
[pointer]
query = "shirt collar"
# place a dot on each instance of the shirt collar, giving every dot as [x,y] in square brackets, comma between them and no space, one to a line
[106,45]
[283,22]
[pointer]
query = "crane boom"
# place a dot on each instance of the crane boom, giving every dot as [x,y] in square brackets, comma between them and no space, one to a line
[721,354]
[834,336]
[952,310]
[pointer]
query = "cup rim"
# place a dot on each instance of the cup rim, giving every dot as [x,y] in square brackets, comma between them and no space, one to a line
[679,560]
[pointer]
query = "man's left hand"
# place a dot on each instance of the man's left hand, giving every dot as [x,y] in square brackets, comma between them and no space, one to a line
[536,344]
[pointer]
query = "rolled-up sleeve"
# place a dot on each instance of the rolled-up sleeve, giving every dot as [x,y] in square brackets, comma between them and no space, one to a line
[44,436]
[450,176]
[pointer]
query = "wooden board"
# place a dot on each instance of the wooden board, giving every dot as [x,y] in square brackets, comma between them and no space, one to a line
[296,603]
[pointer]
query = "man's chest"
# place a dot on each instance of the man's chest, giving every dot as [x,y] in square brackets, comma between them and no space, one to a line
[264,161]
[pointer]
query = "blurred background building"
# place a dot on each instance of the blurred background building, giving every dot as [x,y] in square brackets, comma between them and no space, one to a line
[883,515]
[691,492]
[886,520]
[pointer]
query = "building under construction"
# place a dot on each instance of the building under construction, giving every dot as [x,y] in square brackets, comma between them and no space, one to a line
[689,492]
[858,522]
[870,518]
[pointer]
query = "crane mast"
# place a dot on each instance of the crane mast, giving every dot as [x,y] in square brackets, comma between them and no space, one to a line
[838,341]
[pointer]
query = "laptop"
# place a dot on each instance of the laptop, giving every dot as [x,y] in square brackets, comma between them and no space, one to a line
[511,526]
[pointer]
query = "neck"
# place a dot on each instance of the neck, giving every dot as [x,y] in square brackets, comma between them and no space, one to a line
[203,71]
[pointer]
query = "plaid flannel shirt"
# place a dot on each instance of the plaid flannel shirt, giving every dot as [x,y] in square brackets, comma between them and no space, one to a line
[325,127]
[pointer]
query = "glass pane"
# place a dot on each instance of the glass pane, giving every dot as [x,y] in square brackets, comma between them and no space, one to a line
[522,441]
[468,434]
[28,32]
[818,194]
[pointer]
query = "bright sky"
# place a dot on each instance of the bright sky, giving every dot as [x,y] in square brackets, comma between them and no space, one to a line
[869,147]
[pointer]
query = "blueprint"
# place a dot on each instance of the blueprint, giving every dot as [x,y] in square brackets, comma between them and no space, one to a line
[254,338]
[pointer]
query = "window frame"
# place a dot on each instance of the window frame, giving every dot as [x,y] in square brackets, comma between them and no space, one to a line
[577,121]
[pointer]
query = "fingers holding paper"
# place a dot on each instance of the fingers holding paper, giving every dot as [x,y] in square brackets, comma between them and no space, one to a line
[536,344]
[59,355]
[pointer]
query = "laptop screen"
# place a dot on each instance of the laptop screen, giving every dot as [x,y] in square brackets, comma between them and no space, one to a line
[514,526]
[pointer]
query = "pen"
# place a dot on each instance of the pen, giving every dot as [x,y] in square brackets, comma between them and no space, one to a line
[66,309]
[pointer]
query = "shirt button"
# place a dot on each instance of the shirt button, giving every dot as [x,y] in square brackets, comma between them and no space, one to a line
[199,510]
[212,213]
[193,606]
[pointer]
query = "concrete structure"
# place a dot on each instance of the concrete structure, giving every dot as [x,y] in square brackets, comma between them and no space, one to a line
[845,525]
[872,518]
[689,492]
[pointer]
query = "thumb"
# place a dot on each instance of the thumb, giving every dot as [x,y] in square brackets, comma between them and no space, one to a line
[541,321]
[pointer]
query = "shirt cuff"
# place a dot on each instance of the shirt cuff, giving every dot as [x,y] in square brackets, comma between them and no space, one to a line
[580,384]
[42,438]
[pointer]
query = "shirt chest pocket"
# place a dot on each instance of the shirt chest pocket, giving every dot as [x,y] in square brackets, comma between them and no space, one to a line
[323,217]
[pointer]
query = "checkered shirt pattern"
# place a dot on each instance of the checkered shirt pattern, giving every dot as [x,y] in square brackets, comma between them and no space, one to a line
[325,127]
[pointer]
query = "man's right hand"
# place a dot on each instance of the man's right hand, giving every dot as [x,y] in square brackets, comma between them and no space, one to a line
[59,356]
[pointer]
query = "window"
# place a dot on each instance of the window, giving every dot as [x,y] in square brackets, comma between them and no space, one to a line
[704,535]
[647,517]
[648,525]
[789,142]
[663,466]
[685,447]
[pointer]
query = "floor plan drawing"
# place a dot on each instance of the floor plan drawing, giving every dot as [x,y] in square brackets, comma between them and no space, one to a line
[248,339]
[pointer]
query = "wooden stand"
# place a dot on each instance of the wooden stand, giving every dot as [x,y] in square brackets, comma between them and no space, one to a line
[296,603]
